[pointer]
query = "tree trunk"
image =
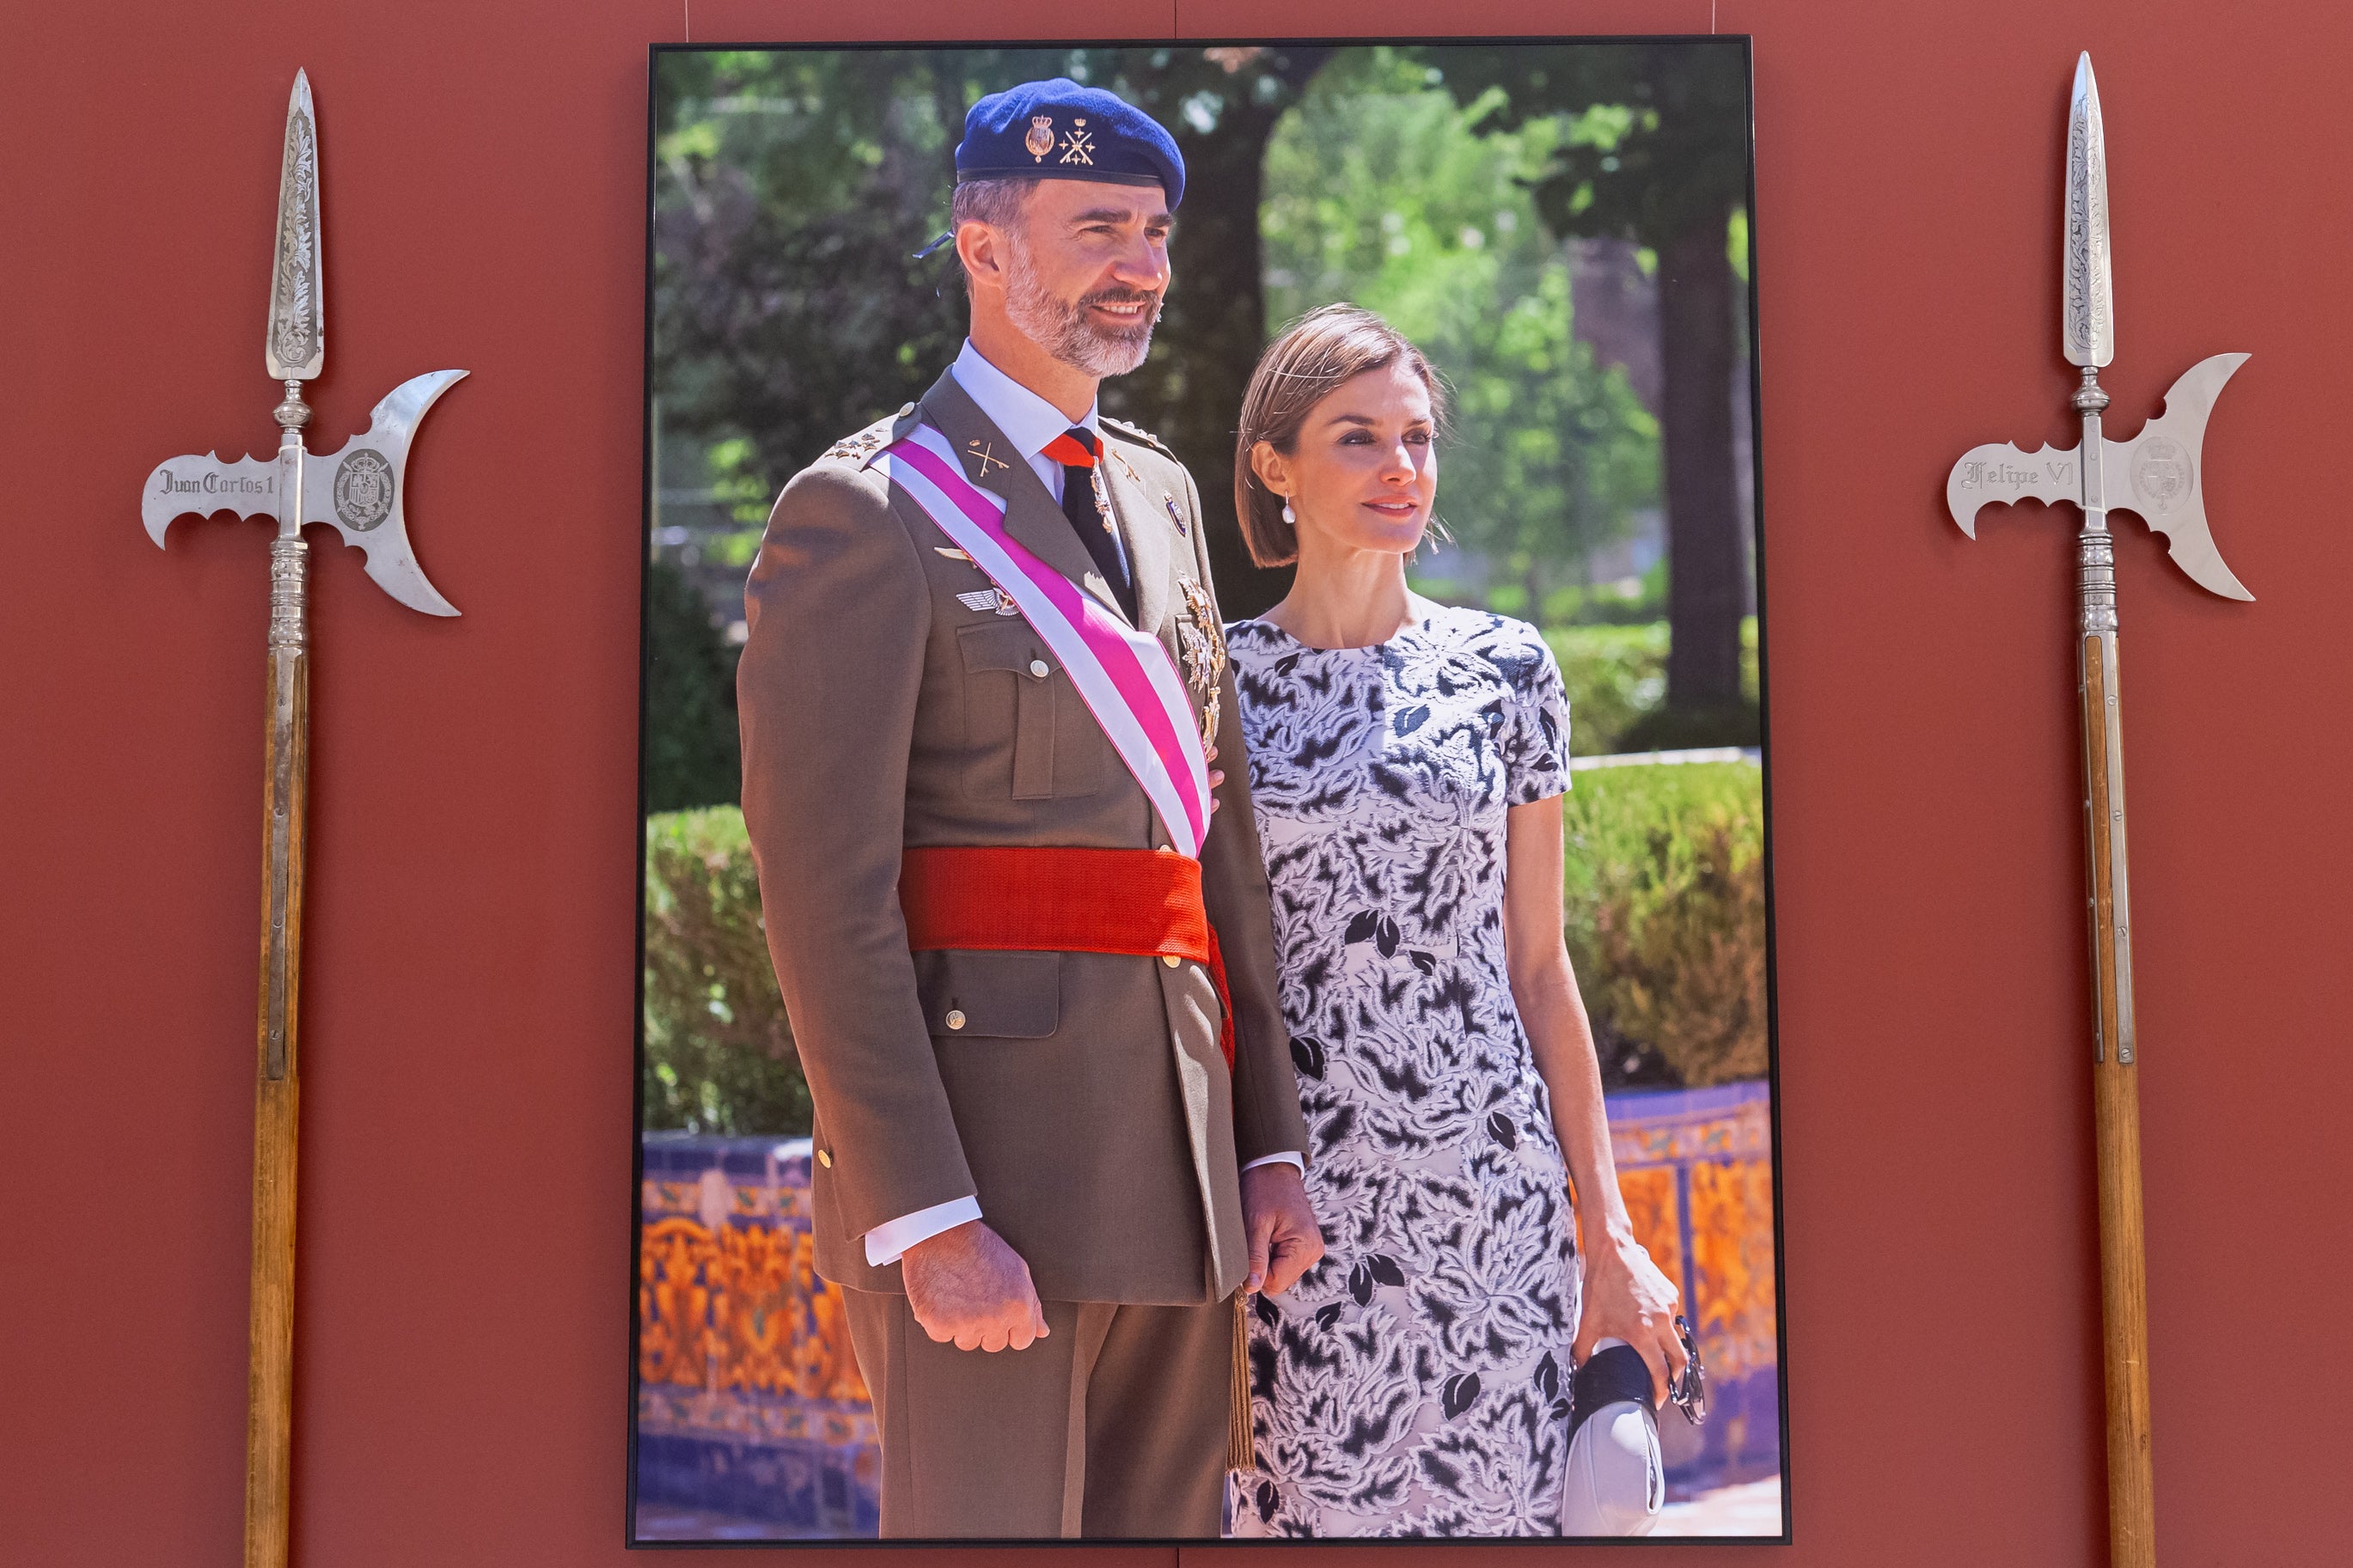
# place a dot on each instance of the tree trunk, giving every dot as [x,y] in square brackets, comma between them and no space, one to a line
[1216,311]
[1705,575]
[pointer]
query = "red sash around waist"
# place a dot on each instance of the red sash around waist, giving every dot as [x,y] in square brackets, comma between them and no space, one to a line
[1034,899]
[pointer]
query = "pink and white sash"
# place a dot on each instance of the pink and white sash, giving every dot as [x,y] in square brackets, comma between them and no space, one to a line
[1124,674]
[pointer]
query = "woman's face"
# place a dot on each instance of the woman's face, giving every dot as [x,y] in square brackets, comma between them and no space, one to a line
[1365,469]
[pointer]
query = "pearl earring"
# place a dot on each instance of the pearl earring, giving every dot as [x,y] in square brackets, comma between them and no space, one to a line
[1288,515]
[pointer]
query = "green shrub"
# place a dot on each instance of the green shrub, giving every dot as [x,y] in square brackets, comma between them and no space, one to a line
[1616,676]
[1665,905]
[691,756]
[719,1054]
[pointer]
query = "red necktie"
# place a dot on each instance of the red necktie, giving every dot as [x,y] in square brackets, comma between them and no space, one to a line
[1075,449]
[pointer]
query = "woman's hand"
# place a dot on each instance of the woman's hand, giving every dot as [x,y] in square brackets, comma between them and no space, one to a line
[1627,1297]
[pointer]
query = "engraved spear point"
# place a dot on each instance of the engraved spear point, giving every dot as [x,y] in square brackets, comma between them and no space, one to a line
[2088,328]
[295,348]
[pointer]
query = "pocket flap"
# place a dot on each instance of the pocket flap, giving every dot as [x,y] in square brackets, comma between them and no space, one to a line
[1006,645]
[996,996]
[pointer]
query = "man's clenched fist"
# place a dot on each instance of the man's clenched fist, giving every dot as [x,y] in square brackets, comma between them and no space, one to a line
[965,1285]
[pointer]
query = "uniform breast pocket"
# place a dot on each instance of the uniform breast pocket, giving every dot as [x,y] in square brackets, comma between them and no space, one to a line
[1023,718]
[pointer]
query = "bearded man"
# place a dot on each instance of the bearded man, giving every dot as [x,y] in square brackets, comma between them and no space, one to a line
[1057,1134]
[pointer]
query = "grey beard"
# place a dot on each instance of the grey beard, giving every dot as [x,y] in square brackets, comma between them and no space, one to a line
[1061,328]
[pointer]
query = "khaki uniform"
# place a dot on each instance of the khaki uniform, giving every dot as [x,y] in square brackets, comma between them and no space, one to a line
[1083,1097]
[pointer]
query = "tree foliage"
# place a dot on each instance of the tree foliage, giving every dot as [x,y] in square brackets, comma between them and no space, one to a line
[1661,158]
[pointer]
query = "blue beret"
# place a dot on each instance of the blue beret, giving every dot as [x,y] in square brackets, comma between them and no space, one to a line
[1060,131]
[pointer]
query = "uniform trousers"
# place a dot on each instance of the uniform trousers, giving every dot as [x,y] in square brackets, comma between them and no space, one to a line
[1113,1424]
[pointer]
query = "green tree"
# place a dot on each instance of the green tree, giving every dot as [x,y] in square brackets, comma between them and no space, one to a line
[1667,167]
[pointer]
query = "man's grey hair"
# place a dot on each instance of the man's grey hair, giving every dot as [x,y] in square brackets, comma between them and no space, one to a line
[996,203]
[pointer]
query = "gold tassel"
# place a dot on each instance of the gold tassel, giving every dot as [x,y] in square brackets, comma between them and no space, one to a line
[1241,1451]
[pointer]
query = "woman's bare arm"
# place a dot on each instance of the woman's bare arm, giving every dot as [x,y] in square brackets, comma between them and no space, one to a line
[1625,1296]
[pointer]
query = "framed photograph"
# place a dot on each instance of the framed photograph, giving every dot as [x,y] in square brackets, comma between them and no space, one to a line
[1206,961]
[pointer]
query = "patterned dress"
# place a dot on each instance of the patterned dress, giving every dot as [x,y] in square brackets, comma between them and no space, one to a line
[1416,1381]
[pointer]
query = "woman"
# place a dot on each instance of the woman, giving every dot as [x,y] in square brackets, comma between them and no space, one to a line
[1406,762]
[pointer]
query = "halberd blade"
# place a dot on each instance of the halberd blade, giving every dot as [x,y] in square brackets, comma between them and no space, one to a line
[2004,475]
[2160,474]
[296,347]
[2087,329]
[360,490]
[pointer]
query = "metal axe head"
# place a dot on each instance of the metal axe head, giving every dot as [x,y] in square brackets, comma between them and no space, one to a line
[2159,475]
[359,490]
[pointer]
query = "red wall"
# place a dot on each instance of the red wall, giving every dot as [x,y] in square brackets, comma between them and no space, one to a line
[465,1141]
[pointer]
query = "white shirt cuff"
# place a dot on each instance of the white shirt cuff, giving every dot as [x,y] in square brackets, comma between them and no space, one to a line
[886,1241]
[1296,1162]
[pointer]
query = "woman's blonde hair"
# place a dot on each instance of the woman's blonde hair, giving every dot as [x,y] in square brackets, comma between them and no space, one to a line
[1315,354]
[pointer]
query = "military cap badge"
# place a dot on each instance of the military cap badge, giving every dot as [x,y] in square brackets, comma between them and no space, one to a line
[1040,140]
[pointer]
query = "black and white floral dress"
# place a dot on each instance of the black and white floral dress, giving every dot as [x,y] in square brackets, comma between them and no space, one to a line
[1416,1381]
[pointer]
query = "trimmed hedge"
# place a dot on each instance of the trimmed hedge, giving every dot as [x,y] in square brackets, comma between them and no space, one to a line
[1666,929]
[1616,676]
[1665,895]
[719,1054]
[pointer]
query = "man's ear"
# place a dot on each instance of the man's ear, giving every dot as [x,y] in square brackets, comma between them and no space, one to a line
[982,251]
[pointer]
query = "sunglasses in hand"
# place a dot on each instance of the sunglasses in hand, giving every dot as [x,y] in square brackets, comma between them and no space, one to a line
[1688,1388]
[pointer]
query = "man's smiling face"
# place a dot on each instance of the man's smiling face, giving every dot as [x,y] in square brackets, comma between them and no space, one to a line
[1087,270]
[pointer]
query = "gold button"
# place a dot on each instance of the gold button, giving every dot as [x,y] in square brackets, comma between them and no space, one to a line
[956,1018]
[825,1158]
[1171,960]
[1038,667]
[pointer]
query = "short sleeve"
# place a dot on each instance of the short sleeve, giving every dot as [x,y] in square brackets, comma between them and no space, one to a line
[1535,740]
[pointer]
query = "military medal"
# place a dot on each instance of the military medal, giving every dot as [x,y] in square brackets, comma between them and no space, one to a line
[1202,642]
[1103,496]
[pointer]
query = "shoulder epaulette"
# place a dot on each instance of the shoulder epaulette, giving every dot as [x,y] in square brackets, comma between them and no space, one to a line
[862,448]
[1135,433]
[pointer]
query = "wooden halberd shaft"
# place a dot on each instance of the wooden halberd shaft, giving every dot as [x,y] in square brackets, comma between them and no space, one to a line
[269,1378]
[2115,1090]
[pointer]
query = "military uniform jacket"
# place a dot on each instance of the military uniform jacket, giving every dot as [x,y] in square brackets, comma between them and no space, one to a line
[1084,1098]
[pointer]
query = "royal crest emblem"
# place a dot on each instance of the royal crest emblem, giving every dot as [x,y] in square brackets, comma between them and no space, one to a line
[1201,647]
[1040,140]
[363,489]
